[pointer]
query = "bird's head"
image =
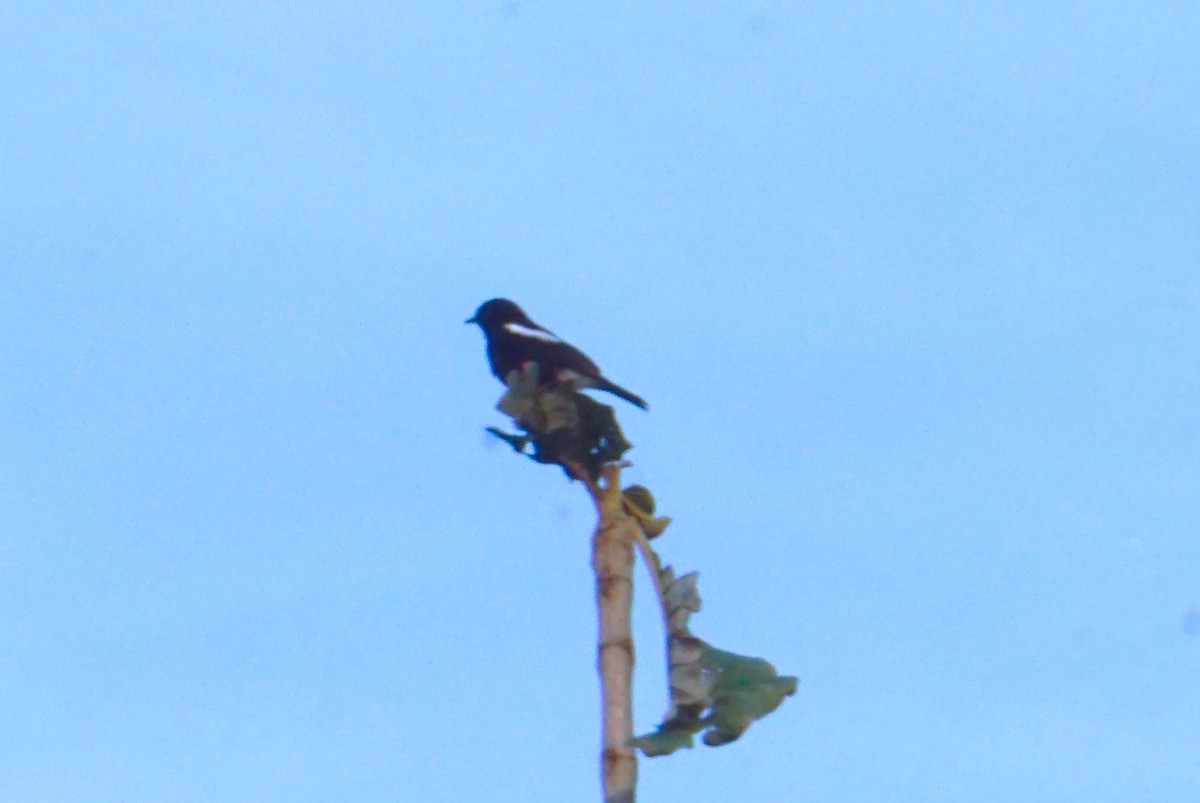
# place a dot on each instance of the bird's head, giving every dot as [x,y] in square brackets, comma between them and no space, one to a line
[498,312]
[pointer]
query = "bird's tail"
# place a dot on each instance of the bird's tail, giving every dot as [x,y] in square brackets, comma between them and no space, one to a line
[603,384]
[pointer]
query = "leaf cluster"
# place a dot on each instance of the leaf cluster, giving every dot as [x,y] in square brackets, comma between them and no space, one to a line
[558,425]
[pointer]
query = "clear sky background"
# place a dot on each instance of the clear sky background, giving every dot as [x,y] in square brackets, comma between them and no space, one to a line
[913,291]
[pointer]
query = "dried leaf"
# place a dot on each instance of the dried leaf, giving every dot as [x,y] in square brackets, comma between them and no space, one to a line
[639,503]
[561,425]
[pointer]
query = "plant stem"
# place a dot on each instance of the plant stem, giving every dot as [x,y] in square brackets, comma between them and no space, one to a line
[612,560]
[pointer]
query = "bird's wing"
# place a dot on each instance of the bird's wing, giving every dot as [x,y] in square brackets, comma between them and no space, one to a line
[536,332]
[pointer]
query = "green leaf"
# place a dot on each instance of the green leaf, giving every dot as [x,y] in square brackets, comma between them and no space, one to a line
[741,690]
[747,689]
[669,737]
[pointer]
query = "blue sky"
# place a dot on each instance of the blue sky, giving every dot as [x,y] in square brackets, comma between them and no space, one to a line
[913,291]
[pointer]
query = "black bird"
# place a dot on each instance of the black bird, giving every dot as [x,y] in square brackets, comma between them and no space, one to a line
[514,340]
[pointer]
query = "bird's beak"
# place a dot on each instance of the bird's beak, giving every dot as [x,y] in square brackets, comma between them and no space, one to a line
[472,319]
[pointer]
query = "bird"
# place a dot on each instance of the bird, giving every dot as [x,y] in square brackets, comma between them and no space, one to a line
[513,340]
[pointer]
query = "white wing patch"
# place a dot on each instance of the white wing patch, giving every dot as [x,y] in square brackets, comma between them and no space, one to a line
[525,331]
